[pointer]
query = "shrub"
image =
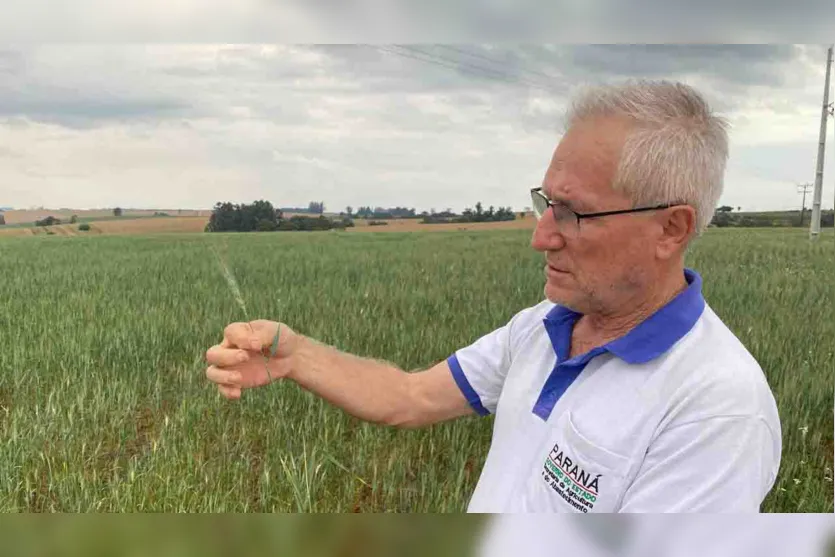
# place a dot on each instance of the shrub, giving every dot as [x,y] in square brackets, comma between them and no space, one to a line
[265,225]
[48,221]
[84,227]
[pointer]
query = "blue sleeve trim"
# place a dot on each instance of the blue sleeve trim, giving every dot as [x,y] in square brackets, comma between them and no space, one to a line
[463,384]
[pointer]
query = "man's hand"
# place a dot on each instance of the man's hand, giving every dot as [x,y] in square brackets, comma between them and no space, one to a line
[238,362]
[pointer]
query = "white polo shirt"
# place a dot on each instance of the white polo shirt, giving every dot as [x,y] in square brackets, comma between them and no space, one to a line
[675,416]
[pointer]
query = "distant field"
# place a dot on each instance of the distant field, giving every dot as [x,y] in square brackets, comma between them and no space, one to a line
[115,226]
[148,224]
[104,405]
[30,216]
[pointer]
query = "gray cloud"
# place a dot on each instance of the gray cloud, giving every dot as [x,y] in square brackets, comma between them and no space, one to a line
[11,62]
[386,21]
[287,85]
[84,112]
[425,125]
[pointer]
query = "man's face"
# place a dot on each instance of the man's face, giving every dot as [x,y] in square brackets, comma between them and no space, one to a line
[605,262]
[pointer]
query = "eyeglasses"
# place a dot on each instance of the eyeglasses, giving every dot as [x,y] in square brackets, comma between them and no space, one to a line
[564,215]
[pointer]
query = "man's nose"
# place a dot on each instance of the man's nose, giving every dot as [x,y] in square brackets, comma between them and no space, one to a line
[546,235]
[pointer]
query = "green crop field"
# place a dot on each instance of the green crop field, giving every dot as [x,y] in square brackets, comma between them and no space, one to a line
[104,405]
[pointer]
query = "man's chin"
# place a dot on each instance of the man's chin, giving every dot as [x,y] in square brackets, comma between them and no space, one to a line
[555,294]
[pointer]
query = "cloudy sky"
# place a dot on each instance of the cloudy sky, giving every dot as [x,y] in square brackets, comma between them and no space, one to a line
[428,126]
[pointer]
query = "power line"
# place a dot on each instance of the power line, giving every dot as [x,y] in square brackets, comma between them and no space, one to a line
[493,60]
[512,78]
[458,65]
[418,54]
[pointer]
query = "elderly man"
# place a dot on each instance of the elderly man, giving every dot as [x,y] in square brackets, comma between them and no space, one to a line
[622,391]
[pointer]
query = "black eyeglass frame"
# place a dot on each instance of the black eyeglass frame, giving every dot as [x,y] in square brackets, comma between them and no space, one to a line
[579,216]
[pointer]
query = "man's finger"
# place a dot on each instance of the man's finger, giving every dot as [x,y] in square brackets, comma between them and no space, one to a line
[221,356]
[232,393]
[223,376]
[242,335]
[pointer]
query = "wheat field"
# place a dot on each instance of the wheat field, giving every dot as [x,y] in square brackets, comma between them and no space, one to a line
[104,405]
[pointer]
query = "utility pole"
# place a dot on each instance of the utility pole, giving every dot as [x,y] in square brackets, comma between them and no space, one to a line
[815,227]
[804,189]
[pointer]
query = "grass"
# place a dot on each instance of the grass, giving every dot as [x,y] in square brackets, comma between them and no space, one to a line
[104,405]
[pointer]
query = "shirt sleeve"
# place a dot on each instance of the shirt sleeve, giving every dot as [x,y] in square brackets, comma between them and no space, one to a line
[480,368]
[723,464]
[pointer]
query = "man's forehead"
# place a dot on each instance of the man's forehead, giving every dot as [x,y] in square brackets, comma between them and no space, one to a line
[569,174]
[588,153]
[586,158]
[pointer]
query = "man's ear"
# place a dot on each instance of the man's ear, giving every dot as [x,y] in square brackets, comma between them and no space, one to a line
[678,226]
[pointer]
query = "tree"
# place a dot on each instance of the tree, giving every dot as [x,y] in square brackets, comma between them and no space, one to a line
[252,215]
[725,209]
[225,218]
[2,219]
[349,210]
[73,219]
[722,219]
[117,212]
[261,216]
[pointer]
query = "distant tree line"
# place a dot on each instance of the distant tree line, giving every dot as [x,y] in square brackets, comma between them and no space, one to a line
[725,217]
[261,216]
[51,221]
[381,213]
[431,217]
[470,215]
[313,208]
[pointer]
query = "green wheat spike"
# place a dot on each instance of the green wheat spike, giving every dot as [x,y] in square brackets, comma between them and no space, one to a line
[236,294]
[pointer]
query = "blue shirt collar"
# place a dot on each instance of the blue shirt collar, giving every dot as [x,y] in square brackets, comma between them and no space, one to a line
[646,341]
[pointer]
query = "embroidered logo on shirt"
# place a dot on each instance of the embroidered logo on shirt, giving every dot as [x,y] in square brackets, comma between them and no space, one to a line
[578,487]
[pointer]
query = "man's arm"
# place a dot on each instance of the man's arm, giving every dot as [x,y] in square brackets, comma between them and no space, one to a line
[369,389]
[377,391]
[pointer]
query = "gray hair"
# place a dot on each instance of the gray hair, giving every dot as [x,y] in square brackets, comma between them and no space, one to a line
[676,150]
